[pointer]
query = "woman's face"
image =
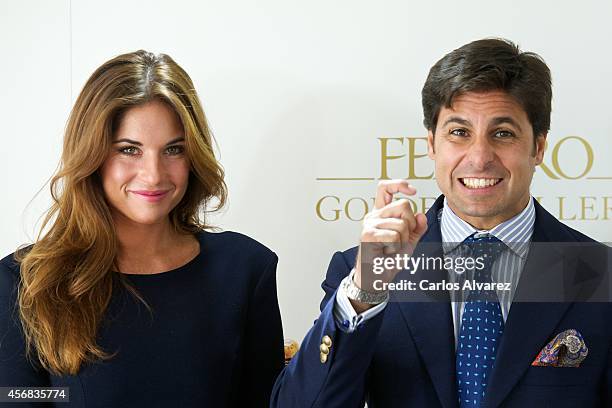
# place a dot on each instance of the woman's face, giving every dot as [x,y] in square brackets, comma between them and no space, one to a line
[146,172]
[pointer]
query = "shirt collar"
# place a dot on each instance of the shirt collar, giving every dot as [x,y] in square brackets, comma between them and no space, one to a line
[515,233]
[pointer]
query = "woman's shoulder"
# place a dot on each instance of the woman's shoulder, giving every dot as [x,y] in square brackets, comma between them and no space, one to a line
[235,244]
[9,262]
[9,275]
[10,269]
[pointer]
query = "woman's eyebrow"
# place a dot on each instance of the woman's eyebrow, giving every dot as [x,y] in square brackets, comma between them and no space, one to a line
[125,140]
[178,139]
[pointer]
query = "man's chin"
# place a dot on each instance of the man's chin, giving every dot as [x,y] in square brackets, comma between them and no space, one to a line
[480,209]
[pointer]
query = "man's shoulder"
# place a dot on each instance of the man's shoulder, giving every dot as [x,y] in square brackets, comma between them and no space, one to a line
[577,235]
[556,230]
[565,233]
[350,256]
[340,265]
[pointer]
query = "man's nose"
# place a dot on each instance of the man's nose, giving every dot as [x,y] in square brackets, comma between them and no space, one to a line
[481,152]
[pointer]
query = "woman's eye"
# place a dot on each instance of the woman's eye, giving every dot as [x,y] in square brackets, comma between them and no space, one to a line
[458,132]
[174,150]
[128,150]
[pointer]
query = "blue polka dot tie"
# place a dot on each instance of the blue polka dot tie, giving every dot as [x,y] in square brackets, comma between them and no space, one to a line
[482,325]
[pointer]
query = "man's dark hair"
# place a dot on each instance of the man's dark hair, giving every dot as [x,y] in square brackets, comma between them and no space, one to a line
[489,65]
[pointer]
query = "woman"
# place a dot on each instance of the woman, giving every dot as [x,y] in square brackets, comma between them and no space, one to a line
[125,298]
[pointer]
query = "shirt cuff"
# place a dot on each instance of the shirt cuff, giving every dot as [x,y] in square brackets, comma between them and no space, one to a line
[345,316]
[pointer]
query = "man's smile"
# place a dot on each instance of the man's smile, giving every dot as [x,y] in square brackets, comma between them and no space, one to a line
[478,182]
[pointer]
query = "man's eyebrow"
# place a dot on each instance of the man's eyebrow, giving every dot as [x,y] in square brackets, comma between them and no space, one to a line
[134,142]
[506,119]
[456,119]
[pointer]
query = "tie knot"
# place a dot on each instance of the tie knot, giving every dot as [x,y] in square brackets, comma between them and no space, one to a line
[482,237]
[485,244]
[487,247]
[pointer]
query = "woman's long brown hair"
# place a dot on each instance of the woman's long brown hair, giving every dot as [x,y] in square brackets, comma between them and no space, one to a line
[67,275]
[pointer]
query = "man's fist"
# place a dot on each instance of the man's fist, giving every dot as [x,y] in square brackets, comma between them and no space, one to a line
[390,228]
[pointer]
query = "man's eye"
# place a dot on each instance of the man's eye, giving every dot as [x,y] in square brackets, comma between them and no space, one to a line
[458,132]
[503,134]
[128,150]
[174,150]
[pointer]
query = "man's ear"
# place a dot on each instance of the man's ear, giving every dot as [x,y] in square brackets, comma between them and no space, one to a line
[540,147]
[431,152]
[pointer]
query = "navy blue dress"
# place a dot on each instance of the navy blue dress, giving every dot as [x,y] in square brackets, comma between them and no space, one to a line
[213,337]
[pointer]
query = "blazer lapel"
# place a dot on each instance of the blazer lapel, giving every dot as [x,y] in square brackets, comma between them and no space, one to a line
[431,322]
[530,324]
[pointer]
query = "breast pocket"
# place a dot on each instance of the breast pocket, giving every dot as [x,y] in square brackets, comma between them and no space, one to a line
[562,376]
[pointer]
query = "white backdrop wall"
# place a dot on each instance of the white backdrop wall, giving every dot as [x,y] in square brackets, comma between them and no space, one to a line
[301,97]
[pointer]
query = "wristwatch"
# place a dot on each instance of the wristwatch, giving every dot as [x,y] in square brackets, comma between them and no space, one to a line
[353,292]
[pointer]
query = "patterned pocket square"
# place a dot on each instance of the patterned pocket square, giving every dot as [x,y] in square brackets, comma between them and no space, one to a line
[567,349]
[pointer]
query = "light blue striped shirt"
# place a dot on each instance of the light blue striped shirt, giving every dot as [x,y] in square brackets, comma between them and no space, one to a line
[515,233]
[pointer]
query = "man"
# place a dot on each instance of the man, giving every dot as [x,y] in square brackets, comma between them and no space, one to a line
[487,110]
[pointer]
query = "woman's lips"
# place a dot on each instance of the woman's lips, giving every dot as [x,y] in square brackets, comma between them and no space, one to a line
[151,195]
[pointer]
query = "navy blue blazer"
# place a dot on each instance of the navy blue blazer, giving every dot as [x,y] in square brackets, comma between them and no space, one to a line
[405,356]
[213,339]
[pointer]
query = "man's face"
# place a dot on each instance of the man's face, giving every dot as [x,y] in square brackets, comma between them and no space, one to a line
[485,157]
